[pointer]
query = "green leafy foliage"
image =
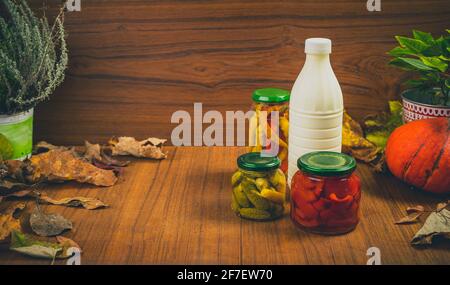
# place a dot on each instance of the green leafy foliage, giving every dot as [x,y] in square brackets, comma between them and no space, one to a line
[33,57]
[429,57]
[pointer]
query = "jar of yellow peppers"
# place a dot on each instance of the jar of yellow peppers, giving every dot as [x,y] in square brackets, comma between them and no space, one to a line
[269,100]
[259,188]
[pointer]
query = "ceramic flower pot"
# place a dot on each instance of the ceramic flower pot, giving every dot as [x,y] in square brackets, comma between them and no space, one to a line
[413,110]
[16,135]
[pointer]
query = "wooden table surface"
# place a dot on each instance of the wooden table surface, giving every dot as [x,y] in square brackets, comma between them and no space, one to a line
[177,211]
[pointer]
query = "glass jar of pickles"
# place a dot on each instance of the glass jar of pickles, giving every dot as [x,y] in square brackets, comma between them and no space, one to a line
[259,188]
[325,193]
[269,100]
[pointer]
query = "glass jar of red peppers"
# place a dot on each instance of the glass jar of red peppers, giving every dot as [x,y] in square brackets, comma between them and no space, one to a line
[325,193]
[269,100]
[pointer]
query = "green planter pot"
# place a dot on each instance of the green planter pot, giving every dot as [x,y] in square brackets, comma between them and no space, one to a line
[16,135]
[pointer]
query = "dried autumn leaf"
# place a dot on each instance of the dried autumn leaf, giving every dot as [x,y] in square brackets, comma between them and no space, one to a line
[23,193]
[7,186]
[354,143]
[44,146]
[27,245]
[415,209]
[85,202]
[48,224]
[65,165]
[442,206]
[66,244]
[413,215]
[96,155]
[8,223]
[18,171]
[67,241]
[409,219]
[378,127]
[436,225]
[149,148]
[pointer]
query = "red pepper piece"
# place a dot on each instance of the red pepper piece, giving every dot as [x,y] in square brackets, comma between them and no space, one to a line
[341,206]
[304,222]
[337,186]
[296,180]
[310,182]
[354,184]
[321,204]
[325,215]
[306,195]
[306,211]
[347,199]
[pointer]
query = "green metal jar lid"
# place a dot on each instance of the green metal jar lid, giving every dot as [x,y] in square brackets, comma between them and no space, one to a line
[326,163]
[254,161]
[271,95]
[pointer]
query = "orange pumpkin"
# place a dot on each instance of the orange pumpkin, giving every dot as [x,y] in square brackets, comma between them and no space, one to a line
[419,154]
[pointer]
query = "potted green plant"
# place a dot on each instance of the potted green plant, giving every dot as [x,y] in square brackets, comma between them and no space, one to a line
[429,58]
[33,58]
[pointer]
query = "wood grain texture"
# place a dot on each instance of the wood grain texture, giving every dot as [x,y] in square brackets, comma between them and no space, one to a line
[133,63]
[177,211]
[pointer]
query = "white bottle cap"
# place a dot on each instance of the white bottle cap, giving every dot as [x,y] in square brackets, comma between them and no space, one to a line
[318,46]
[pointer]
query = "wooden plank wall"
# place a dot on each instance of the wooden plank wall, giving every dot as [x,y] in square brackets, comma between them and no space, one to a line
[133,63]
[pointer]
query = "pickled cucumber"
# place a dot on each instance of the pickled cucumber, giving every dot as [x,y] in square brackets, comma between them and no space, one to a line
[277,177]
[261,183]
[241,198]
[272,195]
[257,200]
[236,178]
[277,210]
[248,185]
[254,214]
[234,204]
[281,187]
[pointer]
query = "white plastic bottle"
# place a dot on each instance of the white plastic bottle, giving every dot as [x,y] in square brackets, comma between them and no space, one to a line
[316,106]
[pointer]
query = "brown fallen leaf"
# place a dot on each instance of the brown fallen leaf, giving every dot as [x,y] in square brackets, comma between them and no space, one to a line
[409,219]
[413,215]
[436,225]
[67,242]
[85,202]
[48,224]
[44,146]
[8,186]
[23,193]
[30,246]
[8,223]
[354,143]
[442,206]
[97,156]
[415,209]
[148,148]
[65,165]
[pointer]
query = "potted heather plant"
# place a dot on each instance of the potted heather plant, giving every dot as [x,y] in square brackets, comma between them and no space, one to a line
[428,94]
[33,58]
